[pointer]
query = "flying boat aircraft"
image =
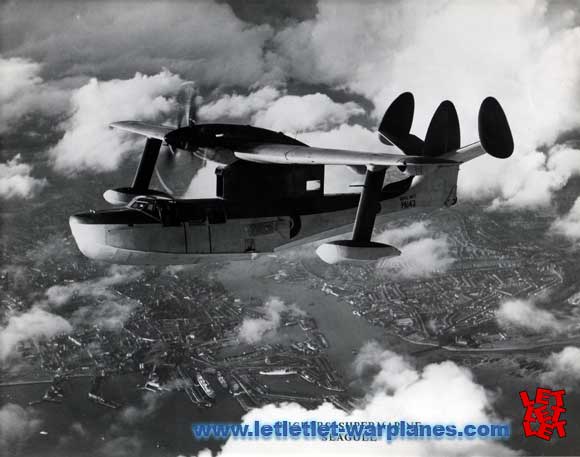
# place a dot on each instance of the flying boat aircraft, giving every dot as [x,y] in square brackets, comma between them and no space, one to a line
[270,189]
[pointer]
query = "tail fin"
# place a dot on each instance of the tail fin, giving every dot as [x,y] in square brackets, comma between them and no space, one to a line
[443,133]
[396,125]
[443,138]
[494,130]
[495,136]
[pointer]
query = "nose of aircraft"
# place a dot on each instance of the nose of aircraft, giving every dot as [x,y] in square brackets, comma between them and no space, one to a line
[88,234]
[82,218]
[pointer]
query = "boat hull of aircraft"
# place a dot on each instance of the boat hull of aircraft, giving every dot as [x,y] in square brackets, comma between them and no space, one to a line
[144,236]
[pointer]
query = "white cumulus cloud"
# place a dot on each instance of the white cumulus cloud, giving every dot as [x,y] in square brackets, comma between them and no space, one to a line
[526,315]
[293,113]
[88,143]
[202,40]
[439,393]
[111,310]
[422,254]
[34,324]
[101,287]
[252,330]
[23,92]
[461,51]
[569,224]
[273,109]
[17,425]
[563,368]
[16,182]
[239,106]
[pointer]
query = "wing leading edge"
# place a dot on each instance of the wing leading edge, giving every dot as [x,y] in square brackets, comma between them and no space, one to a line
[304,155]
[143,128]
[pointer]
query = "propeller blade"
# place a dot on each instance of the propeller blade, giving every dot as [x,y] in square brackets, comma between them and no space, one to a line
[167,155]
[186,98]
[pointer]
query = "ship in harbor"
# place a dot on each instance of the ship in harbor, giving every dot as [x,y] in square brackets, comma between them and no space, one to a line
[205,385]
[222,380]
[308,376]
[278,372]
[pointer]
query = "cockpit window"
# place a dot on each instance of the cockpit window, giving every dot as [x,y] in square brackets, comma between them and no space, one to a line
[146,206]
[139,205]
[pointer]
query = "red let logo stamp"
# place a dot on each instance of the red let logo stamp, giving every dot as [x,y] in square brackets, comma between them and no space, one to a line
[543,413]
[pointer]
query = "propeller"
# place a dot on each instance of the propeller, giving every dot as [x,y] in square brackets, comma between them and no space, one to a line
[173,160]
[186,98]
[186,111]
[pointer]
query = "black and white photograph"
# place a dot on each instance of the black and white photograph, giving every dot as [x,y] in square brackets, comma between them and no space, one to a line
[289,227]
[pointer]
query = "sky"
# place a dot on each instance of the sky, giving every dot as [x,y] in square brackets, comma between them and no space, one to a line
[323,71]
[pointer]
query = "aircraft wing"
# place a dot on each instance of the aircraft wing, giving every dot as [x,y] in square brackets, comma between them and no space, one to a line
[143,128]
[304,155]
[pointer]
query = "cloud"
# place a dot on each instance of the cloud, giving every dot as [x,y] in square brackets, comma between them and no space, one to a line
[88,143]
[569,225]
[17,425]
[534,179]
[109,314]
[113,309]
[34,324]
[493,48]
[121,446]
[391,371]
[310,112]
[563,368]
[16,182]
[23,92]
[526,315]
[116,274]
[439,393]
[253,330]
[374,50]
[134,414]
[203,40]
[272,109]
[344,136]
[421,253]
[238,106]
[18,75]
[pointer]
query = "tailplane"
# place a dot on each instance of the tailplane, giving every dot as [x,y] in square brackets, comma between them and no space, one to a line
[443,138]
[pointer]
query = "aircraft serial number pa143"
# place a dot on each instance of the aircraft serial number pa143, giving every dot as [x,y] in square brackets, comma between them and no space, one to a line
[270,189]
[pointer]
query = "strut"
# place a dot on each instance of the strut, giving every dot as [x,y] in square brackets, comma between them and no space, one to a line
[146,165]
[368,205]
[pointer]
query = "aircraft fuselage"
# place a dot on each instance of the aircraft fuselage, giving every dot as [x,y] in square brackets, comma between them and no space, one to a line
[163,231]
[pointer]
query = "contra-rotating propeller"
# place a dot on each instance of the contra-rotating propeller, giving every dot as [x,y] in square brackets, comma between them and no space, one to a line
[177,154]
[186,113]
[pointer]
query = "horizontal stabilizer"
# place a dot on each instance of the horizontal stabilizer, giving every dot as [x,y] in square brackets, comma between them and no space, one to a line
[494,134]
[143,128]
